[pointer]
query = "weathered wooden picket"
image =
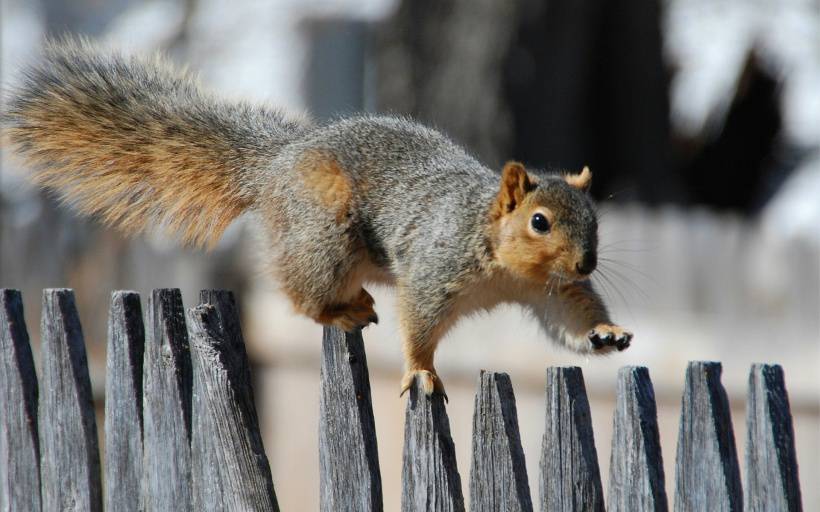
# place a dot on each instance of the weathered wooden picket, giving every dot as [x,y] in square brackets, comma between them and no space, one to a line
[182,431]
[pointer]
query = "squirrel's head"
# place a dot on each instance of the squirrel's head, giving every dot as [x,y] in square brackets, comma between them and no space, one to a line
[545,225]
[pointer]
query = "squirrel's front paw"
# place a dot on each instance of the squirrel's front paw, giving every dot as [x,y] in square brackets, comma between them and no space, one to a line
[608,336]
[430,382]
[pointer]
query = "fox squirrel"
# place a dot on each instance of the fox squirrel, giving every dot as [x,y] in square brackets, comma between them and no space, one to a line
[363,199]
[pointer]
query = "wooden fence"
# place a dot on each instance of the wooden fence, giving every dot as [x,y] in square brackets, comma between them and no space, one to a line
[181,430]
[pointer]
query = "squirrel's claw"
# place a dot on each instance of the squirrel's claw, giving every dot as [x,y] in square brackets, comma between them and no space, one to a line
[622,343]
[609,336]
[595,339]
[430,382]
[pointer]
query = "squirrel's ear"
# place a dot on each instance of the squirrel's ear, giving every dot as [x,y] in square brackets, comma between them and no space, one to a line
[581,181]
[515,184]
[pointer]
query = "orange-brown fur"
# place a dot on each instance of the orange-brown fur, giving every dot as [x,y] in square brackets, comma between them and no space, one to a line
[517,247]
[515,184]
[137,144]
[528,254]
[581,181]
[125,176]
[586,307]
[324,176]
[349,316]
[524,264]
[420,338]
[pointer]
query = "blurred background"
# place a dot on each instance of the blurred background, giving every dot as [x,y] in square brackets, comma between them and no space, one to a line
[699,118]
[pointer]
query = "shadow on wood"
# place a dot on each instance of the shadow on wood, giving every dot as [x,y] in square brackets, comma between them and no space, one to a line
[167,405]
[570,478]
[430,479]
[123,404]
[498,473]
[707,476]
[772,481]
[19,437]
[70,457]
[636,480]
[229,468]
[348,452]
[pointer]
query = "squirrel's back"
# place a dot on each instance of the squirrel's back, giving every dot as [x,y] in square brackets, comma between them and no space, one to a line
[399,181]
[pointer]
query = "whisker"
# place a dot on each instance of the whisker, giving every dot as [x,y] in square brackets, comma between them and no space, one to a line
[608,250]
[613,273]
[599,281]
[606,285]
[608,278]
[620,243]
[630,267]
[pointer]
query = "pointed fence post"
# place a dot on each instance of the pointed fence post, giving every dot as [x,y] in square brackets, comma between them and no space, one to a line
[123,403]
[70,457]
[19,438]
[350,478]
[570,477]
[772,481]
[229,467]
[167,405]
[430,479]
[707,476]
[498,473]
[636,480]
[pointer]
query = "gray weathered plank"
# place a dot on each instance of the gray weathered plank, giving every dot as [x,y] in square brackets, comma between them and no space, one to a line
[570,478]
[123,403]
[430,479]
[167,406]
[772,481]
[707,476]
[229,468]
[498,473]
[636,480]
[19,439]
[70,459]
[348,453]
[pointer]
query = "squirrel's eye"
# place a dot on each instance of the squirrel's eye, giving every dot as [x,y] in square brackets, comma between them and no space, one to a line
[540,223]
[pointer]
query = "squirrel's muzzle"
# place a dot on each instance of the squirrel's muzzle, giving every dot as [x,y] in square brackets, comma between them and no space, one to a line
[587,264]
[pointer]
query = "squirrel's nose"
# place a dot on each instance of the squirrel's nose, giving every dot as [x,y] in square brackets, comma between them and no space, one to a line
[587,263]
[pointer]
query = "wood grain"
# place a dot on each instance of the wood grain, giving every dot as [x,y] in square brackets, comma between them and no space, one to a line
[230,470]
[570,478]
[498,473]
[167,382]
[636,479]
[19,437]
[707,476]
[350,478]
[123,404]
[70,457]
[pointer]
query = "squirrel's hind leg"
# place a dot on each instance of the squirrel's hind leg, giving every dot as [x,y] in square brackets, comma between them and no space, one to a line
[333,309]
[351,315]
[324,282]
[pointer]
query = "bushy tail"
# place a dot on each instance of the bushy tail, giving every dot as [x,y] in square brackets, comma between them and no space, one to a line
[138,144]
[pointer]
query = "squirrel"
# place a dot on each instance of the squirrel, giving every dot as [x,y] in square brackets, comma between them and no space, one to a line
[363,199]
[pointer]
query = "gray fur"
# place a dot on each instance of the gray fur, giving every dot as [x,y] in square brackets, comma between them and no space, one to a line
[420,208]
[420,203]
[127,96]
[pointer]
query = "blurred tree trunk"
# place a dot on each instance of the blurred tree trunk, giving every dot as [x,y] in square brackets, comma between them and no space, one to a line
[562,83]
[442,61]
